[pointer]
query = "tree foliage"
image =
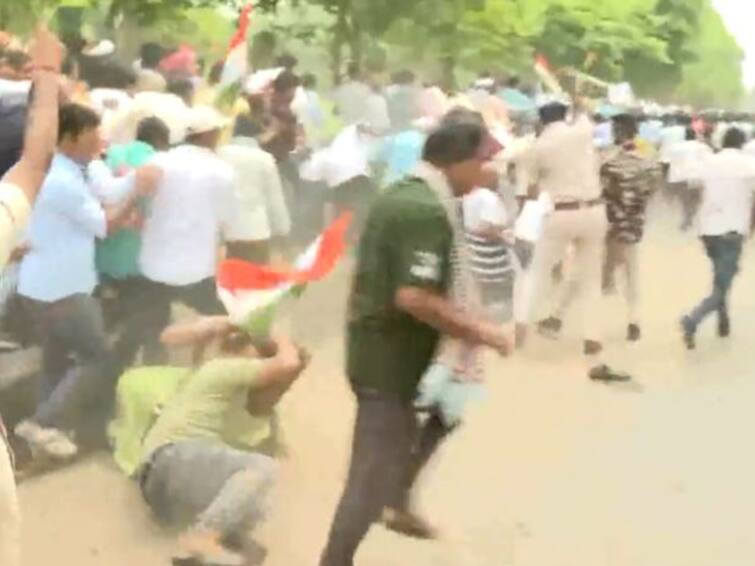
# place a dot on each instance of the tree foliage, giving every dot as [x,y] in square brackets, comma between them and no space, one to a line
[668,49]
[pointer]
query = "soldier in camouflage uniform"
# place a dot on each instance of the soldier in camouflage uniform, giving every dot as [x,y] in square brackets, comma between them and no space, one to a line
[629,179]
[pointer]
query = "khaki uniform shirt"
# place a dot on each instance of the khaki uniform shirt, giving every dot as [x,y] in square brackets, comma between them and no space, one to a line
[563,162]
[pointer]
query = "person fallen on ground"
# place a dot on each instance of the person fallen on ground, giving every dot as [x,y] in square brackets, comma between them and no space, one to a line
[408,292]
[728,180]
[57,277]
[200,465]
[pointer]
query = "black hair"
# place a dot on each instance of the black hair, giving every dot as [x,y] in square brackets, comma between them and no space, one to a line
[461,115]
[309,81]
[216,73]
[405,77]
[734,139]
[181,87]
[286,81]
[246,126]
[453,143]
[625,127]
[151,55]
[553,112]
[513,82]
[153,131]
[75,119]
[353,70]
[107,73]
[70,66]
[17,60]
[689,133]
[287,61]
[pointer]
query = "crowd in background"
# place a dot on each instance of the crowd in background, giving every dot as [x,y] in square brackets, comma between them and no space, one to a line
[153,180]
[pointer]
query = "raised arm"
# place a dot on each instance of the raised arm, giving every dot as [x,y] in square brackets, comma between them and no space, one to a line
[42,123]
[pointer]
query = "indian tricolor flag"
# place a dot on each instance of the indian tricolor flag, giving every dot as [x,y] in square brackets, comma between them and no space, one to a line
[544,71]
[251,293]
[236,65]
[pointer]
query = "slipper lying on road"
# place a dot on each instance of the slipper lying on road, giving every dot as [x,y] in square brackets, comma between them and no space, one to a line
[607,375]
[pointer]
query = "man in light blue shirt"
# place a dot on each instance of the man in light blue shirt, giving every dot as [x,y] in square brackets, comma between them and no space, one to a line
[401,154]
[56,280]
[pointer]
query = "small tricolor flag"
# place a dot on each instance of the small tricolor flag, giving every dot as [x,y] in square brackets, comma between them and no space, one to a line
[543,70]
[236,64]
[251,293]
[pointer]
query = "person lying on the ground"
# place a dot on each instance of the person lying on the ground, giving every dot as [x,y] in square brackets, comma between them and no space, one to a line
[198,463]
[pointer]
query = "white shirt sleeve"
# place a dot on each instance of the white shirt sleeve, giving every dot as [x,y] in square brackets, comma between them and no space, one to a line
[275,202]
[484,208]
[108,188]
[228,202]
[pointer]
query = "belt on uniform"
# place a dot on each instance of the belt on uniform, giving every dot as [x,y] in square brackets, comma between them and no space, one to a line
[578,204]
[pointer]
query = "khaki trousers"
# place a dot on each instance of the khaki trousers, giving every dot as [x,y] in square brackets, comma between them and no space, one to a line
[624,255]
[585,231]
[10,517]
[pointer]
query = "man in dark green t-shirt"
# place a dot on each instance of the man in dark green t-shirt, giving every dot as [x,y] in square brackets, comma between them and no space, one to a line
[399,308]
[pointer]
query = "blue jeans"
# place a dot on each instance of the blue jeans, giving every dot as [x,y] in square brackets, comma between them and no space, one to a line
[209,485]
[724,252]
[79,372]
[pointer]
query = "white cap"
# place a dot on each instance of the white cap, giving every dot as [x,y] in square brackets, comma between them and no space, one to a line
[103,48]
[202,119]
[261,81]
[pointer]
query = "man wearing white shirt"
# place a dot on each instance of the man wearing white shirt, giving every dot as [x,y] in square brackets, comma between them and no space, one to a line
[685,159]
[262,213]
[351,98]
[725,215]
[192,209]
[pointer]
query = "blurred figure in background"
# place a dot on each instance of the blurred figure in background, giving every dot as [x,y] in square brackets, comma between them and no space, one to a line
[263,215]
[728,180]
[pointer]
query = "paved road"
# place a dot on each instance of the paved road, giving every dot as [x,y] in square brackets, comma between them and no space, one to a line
[550,470]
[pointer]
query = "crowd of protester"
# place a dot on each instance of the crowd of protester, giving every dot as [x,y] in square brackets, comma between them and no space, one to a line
[123,185]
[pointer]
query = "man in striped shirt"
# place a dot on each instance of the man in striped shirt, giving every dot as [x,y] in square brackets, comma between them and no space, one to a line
[485,220]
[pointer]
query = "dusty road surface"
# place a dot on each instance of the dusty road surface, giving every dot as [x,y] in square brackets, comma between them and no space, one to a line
[550,470]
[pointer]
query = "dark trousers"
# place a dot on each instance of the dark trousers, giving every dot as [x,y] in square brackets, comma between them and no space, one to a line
[153,313]
[79,372]
[388,453]
[355,196]
[724,253]
[122,301]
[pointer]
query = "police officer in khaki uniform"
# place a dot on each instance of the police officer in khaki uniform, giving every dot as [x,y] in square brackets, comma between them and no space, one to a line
[564,164]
